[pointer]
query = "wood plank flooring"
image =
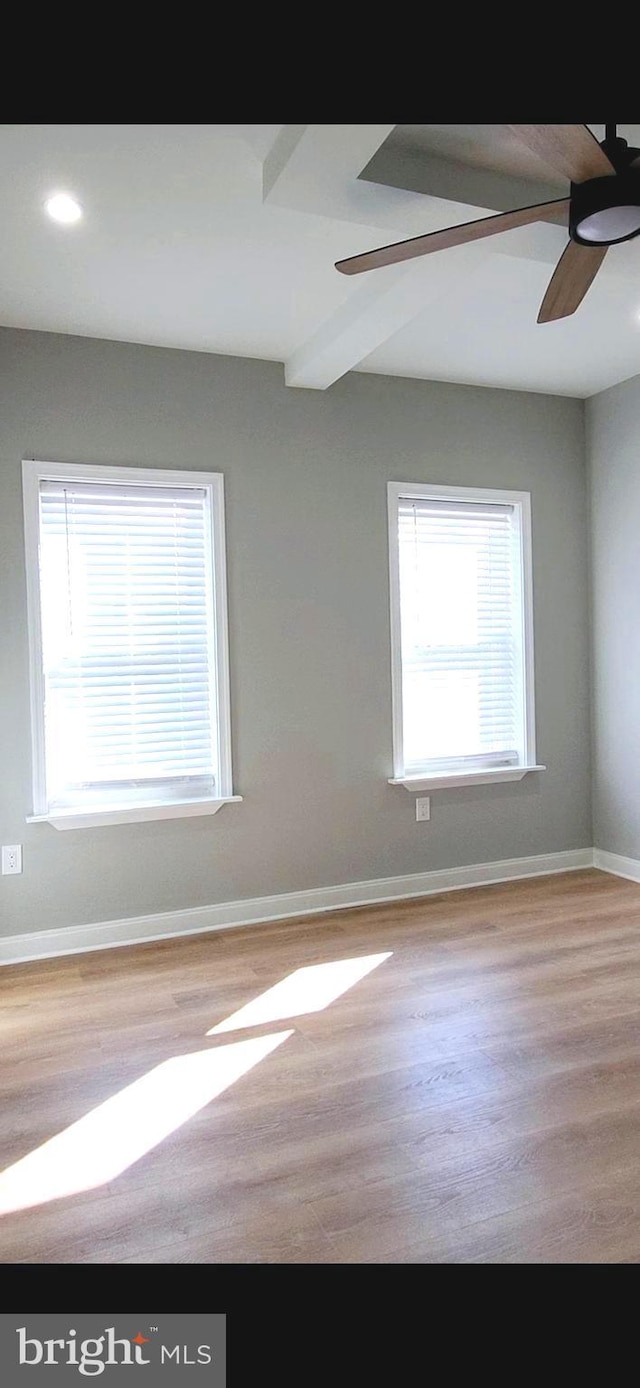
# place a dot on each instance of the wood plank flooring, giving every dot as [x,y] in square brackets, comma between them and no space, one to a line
[474,1098]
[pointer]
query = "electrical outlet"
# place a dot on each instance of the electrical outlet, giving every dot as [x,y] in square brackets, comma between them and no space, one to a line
[11,858]
[423,807]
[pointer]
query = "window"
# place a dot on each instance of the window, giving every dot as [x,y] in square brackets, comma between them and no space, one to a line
[462,635]
[128,643]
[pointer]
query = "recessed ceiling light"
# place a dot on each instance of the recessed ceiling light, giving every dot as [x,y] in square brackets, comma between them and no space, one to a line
[63,208]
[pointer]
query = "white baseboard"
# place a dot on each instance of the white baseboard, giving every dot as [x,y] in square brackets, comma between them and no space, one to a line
[614,863]
[78,939]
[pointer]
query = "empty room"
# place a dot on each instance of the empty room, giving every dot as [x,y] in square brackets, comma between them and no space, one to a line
[320,599]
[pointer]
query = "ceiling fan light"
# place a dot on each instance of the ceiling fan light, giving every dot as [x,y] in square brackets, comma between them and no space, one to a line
[605,210]
[610,225]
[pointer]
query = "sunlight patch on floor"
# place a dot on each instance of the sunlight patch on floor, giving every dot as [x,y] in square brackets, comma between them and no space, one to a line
[117,1133]
[307,990]
[109,1139]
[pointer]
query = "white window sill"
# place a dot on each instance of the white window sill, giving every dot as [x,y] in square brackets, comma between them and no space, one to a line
[482,777]
[132,814]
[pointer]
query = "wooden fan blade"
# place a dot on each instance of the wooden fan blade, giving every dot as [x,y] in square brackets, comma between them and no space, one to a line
[571,149]
[574,273]
[449,236]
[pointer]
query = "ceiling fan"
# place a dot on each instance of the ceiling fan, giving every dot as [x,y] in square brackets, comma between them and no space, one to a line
[603,208]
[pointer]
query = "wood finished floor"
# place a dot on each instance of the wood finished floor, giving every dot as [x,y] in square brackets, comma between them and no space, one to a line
[475,1098]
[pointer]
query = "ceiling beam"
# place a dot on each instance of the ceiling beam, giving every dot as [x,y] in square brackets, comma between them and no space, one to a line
[386,301]
[279,156]
[315,168]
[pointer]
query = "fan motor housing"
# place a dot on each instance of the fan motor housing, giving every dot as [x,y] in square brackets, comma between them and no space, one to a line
[605,211]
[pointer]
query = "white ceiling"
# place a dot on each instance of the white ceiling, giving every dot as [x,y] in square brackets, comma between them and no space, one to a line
[222,238]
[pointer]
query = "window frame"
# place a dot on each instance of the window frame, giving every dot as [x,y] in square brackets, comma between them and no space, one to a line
[458,775]
[33,473]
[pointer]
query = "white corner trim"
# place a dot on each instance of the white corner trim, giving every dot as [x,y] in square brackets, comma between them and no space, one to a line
[482,777]
[132,814]
[78,939]
[619,866]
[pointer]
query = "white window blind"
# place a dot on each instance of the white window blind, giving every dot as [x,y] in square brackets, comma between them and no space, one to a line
[128,650]
[461,623]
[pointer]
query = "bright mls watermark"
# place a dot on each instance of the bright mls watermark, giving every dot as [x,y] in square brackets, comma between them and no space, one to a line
[88,1356]
[91,1345]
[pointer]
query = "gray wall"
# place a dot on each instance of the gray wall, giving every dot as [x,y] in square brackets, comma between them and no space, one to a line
[613,437]
[306,476]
